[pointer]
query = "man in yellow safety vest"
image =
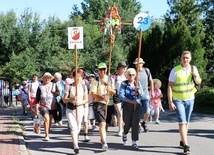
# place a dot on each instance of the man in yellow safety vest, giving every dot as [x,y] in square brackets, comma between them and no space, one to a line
[181,94]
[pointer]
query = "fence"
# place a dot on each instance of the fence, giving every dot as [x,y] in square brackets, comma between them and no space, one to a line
[6,91]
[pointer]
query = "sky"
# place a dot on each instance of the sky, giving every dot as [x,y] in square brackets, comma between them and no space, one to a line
[62,8]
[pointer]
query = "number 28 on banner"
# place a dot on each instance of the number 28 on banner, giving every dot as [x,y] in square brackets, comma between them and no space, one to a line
[75,37]
[142,21]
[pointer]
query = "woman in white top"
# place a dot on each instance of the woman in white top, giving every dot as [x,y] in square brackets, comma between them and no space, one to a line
[119,78]
[45,101]
[75,98]
[32,88]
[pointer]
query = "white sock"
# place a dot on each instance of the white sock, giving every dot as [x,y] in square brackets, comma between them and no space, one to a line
[133,142]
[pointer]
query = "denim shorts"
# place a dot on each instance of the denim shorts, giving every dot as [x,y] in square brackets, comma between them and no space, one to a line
[145,107]
[184,110]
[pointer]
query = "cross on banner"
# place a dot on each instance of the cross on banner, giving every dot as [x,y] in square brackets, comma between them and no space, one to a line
[110,23]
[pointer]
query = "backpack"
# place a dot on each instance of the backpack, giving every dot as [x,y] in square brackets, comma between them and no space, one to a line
[98,79]
[197,86]
[147,73]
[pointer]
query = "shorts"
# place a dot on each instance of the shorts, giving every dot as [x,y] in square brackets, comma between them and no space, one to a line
[145,107]
[24,102]
[116,99]
[154,110]
[99,110]
[45,111]
[110,112]
[32,102]
[184,110]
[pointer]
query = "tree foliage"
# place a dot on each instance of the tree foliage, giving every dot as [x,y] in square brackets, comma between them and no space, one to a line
[30,45]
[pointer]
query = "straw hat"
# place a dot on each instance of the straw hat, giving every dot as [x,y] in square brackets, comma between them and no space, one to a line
[47,74]
[140,61]
[158,82]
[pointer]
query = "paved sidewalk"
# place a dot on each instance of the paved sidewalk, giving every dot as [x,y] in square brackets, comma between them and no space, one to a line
[11,138]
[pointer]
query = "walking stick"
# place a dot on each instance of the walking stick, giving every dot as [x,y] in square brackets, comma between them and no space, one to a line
[76,64]
[138,61]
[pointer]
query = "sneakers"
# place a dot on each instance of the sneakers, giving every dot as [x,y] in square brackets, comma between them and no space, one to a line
[120,133]
[86,139]
[135,147]
[46,139]
[60,123]
[186,149]
[145,128]
[181,144]
[104,146]
[56,124]
[124,138]
[157,122]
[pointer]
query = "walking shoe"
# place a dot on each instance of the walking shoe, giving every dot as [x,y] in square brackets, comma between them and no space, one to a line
[104,146]
[60,123]
[135,147]
[186,149]
[124,138]
[46,139]
[120,133]
[157,122]
[86,139]
[76,151]
[56,124]
[145,128]
[181,144]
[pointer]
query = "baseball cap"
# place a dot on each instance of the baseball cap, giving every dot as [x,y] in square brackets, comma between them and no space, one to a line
[101,65]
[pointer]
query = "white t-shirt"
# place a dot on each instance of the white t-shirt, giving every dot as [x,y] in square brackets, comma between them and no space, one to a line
[119,79]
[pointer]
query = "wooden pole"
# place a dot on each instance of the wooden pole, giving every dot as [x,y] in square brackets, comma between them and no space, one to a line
[109,73]
[76,64]
[138,61]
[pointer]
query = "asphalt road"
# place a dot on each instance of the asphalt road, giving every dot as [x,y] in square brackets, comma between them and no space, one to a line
[161,139]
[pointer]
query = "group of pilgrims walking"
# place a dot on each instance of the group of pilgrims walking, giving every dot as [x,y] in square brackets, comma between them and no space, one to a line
[93,99]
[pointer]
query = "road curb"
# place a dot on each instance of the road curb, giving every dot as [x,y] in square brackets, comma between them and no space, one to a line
[22,147]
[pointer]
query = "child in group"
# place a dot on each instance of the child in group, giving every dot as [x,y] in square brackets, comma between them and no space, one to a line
[23,94]
[156,104]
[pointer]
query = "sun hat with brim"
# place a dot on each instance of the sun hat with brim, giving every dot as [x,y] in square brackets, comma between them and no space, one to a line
[101,65]
[47,74]
[121,64]
[140,61]
[158,82]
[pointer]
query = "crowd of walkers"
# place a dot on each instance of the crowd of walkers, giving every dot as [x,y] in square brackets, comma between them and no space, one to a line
[94,99]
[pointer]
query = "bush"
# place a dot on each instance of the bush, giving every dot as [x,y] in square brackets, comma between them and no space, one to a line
[204,101]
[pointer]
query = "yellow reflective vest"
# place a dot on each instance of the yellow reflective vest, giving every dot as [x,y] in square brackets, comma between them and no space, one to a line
[183,87]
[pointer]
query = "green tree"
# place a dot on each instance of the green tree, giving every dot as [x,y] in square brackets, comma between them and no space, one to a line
[208,42]
[184,30]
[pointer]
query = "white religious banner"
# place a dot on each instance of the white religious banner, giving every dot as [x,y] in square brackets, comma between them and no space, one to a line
[75,37]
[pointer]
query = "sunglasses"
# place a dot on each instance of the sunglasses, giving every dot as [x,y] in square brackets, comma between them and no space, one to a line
[102,69]
[131,74]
